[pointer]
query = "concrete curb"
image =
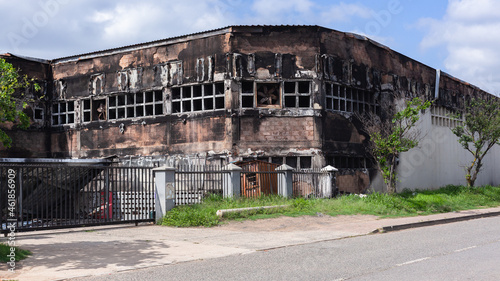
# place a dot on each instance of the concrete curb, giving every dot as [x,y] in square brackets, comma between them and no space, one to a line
[221,213]
[435,222]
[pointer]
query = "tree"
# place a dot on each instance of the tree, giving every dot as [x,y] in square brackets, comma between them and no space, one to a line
[11,108]
[479,132]
[388,139]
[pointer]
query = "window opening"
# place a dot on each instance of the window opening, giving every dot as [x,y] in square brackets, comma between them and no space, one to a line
[247,94]
[86,110]
[197,98]
[277,160]
[348,162]
[99,109]
[340,98]
[142,104]
[441,116]
[63,113]
[305,162]
[297,94]
[292,162]
[38,113]
[268,95]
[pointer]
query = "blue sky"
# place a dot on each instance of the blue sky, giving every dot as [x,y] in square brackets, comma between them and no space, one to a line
[457,36]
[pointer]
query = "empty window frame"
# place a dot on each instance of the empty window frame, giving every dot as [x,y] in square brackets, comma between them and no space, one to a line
[38,113]
[296,162]
[297,94]
[134,105]
[443,117]
[86,110]
[247,94]
[340,98]
[63,113]
[348,162]
[195,98]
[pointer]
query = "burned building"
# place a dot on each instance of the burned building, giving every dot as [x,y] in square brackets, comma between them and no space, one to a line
[282,94]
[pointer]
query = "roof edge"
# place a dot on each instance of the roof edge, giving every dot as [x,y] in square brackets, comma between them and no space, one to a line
[27,58]
[129,48]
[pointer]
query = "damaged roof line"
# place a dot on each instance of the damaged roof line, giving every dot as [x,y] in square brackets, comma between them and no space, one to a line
[152,44]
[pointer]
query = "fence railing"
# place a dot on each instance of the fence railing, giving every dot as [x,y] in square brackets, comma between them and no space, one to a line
[195,182]
[57,196]
[313,183]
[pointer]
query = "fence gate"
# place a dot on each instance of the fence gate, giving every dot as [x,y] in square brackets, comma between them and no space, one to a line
[35,197]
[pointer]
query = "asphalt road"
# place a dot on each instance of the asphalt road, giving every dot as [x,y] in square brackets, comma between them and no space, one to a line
[467,250]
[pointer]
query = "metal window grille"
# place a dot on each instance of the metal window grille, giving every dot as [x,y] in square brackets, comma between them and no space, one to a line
[340,98]
[200,97]
[297,94]
[63,113]
[132,105]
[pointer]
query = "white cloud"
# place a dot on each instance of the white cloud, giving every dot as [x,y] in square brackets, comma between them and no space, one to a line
[270,7]
[345,12]
[76,27]
[282,11]
[469,30]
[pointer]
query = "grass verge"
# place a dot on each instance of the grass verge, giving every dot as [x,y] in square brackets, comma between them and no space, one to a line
[408,203]
[5,250]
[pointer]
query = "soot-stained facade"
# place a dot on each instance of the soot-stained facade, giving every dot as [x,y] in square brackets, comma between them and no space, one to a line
[283,94]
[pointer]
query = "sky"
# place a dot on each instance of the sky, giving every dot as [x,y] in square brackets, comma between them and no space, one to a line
[460,37]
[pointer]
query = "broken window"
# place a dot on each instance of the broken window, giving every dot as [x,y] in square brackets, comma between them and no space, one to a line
[134,105]
[268,95]
[297,94]
[348,162]
[340,98]
[99,110]
[444,117]
[260,94]
[195,98]
[305,162]
[63,113]
[277,160]
[38,113]
[291,161]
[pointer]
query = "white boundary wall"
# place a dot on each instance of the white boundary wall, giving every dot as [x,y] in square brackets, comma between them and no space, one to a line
[440,159]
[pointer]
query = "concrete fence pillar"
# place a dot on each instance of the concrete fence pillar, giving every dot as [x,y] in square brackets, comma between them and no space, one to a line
[164,191]
[231,182]
[327,182]
[285,180]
